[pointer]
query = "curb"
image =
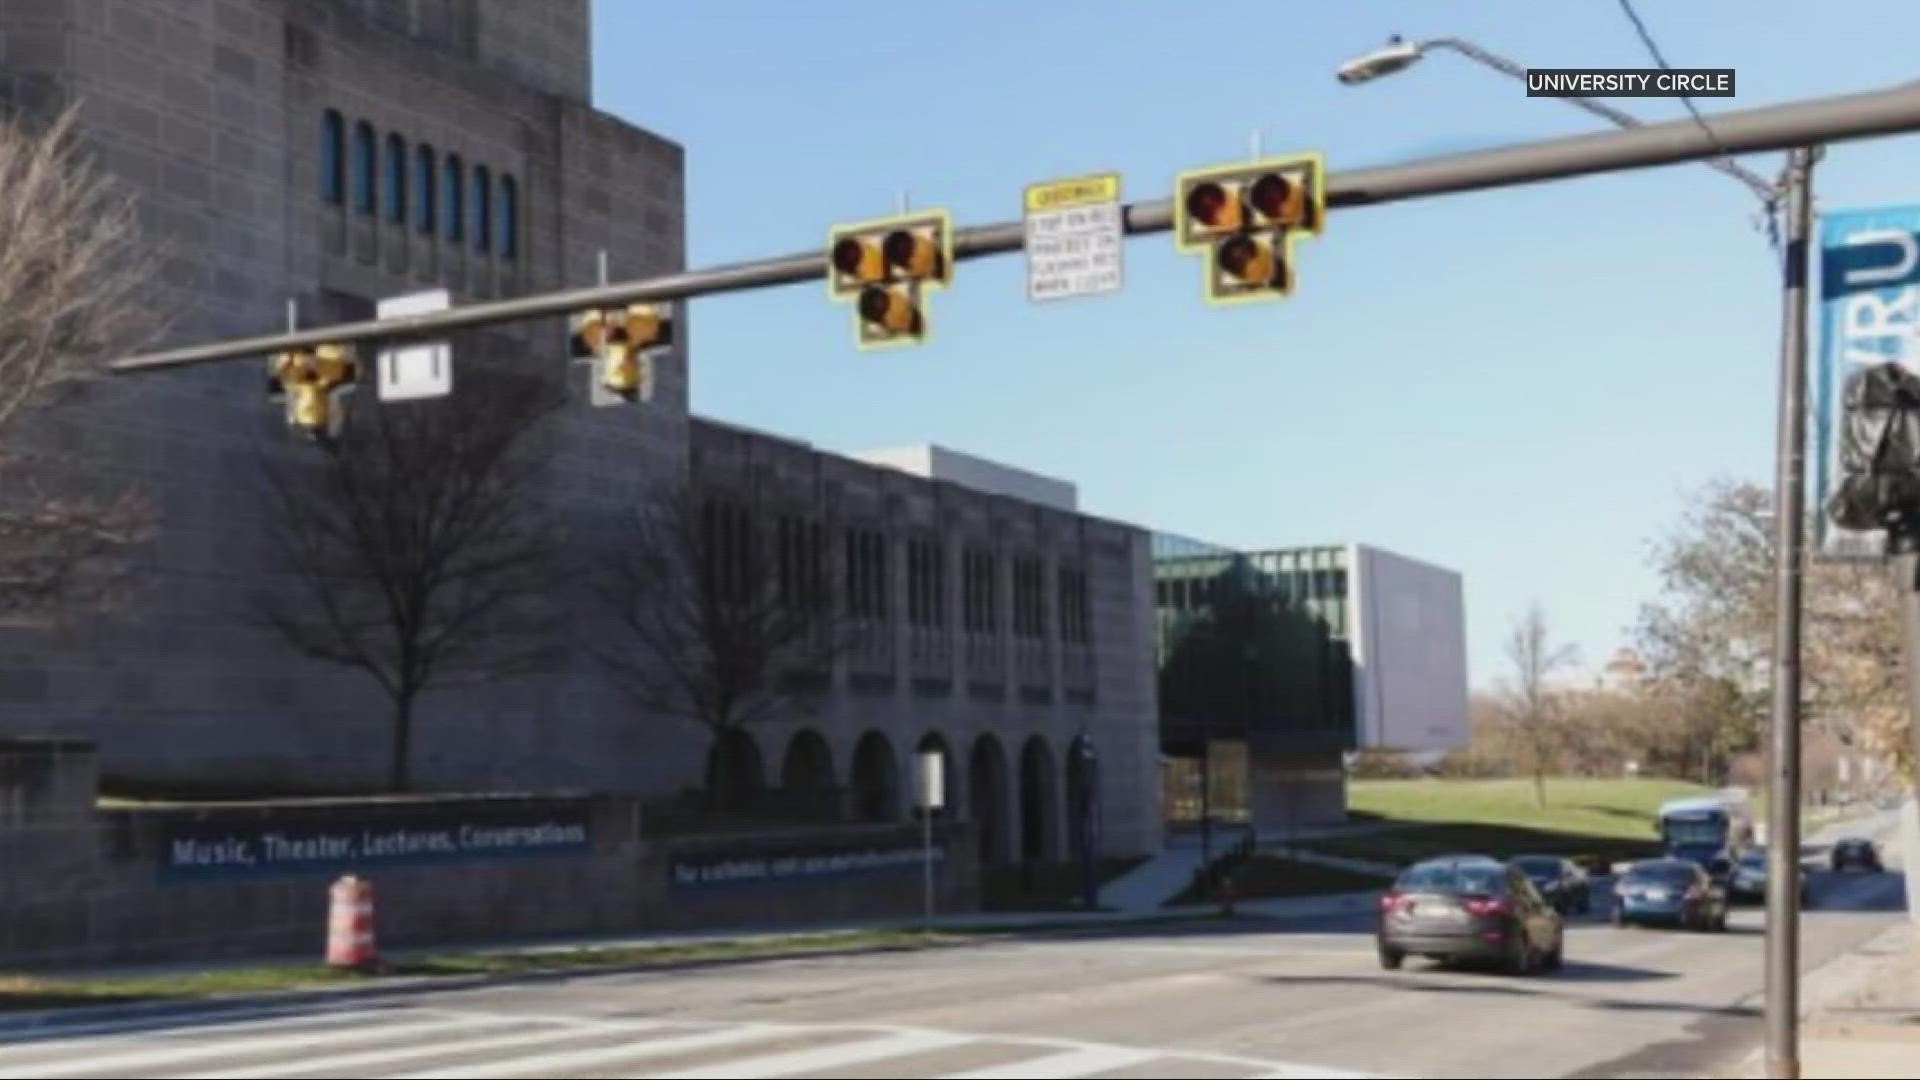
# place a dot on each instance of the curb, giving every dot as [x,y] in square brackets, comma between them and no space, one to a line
[51,1021]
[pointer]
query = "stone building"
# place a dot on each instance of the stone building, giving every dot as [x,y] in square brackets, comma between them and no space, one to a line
[337,153]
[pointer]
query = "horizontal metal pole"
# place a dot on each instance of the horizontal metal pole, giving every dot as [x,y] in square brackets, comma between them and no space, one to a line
[1778,127]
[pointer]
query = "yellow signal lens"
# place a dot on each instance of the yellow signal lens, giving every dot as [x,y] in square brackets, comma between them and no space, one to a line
[889,309]
[1247,258]
[622,370]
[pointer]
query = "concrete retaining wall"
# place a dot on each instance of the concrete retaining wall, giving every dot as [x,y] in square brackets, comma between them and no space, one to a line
[80,885]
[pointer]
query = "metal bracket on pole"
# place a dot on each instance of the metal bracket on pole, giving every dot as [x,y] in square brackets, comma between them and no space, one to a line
[293,314]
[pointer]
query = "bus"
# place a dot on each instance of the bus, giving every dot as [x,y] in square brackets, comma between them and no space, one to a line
[1705,828]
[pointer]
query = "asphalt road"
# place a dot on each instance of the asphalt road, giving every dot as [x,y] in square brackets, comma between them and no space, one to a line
[1244,998]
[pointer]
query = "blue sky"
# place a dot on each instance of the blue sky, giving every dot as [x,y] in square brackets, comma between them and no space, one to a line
[1519,384]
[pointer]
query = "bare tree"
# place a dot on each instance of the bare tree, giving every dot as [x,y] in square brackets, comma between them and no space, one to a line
[1530,704]
[725,627]
[418,544]
[71,272]
[1708,639]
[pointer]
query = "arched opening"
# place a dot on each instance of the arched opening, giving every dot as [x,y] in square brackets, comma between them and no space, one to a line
[876,783]
[1038,827]
[333,157]
[806,776]
[934,742]
[735,772]
[1083,809]
[987,799]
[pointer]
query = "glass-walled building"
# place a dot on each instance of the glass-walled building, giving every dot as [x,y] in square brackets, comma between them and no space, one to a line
[1274,664]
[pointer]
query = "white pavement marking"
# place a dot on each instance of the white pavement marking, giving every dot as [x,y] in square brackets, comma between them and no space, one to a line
[113,1032]
[361,1059]
[550,1064]
[153,1057]
[1083,1062]
[822,1058]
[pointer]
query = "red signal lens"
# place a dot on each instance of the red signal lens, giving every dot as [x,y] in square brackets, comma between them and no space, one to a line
[1270,194]
[848,255]
[1207,203]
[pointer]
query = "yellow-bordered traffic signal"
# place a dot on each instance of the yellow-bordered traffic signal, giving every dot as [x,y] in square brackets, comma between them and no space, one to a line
[1246,218]
[886,266]
[620,344]
[313,384]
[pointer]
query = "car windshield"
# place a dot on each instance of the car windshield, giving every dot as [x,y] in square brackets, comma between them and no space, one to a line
[1662,874]
[1538,866]
[1482,878]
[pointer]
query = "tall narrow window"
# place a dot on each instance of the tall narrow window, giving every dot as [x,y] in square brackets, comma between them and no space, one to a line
[455,189]
[333,159]
[396,179]
[423,186]
[482,208]
[509,217]
[364,170]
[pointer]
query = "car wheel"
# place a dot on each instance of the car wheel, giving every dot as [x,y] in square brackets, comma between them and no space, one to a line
[1520,957]
[1392,959]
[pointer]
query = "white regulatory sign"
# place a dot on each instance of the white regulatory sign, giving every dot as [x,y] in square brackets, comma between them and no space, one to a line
[418,369]
[1073,237]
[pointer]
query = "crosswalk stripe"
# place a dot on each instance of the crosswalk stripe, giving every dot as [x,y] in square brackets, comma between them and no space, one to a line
[152,1057]
[823,1057]
[1082,1062]
[548,1064]
[364,1058]
[61,1036]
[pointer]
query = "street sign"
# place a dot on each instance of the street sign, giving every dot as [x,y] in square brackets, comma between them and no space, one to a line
[1074,240]
[418,369]
[1869,314]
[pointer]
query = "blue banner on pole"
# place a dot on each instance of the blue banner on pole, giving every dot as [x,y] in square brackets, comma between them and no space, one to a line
[1869,290]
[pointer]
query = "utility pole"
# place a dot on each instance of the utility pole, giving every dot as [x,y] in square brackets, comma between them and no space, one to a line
[1906,569]
[1783,806]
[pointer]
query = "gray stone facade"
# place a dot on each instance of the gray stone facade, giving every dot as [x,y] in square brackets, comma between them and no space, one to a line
[214,113]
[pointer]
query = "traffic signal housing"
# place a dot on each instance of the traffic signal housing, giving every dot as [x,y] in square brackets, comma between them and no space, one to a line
[313,384]
[1245,219]
[620,345]
[886,267]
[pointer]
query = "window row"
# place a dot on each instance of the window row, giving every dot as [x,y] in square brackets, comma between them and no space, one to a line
[797,574]
[418,184]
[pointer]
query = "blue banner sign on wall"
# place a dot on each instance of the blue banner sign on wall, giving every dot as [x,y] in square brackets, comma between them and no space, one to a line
[1869,314]
[793,867]
[366,840]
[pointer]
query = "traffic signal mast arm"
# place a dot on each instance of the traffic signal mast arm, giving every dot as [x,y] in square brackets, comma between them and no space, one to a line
[1778,127]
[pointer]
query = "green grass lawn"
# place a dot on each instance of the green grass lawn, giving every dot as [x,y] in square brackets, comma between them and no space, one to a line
[1600,820]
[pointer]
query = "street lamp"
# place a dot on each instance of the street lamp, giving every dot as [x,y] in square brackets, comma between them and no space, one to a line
[1795,190]
[1398,54]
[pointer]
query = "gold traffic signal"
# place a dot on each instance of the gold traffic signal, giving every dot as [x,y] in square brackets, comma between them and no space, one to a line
[313,384]
[1246,218]
[619,343]
[885,267]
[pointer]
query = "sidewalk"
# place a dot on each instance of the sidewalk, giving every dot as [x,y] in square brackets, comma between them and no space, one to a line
[1872,1031]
